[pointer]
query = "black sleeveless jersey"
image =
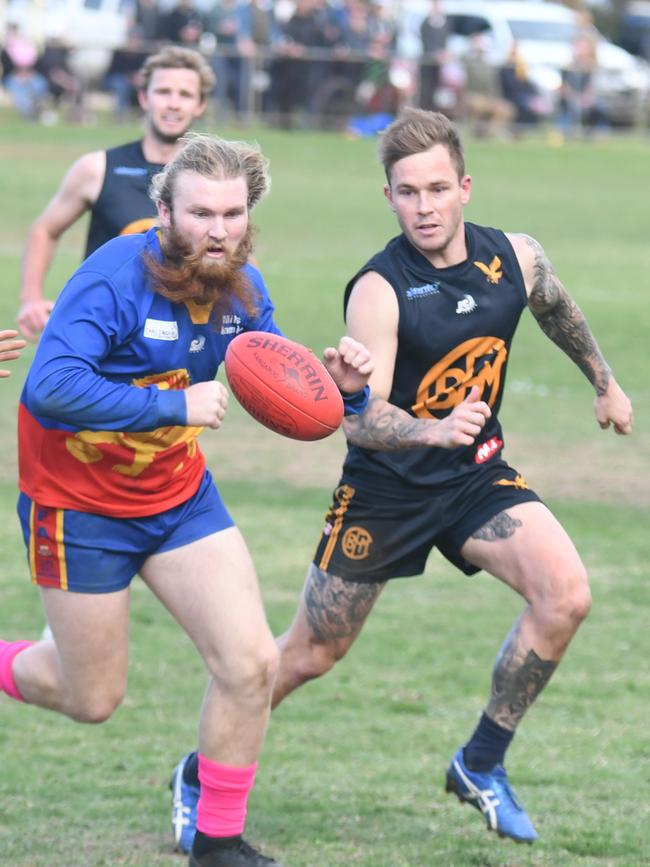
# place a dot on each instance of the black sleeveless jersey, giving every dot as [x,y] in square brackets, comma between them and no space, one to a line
[455,330]
[123,206]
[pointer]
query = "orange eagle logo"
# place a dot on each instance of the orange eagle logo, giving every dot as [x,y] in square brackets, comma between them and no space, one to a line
[492,271]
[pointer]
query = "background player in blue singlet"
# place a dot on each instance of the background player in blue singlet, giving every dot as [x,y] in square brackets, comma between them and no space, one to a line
[113,184]
[438,308]
[113,482]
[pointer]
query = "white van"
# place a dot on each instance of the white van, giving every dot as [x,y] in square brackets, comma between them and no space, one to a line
[544,33]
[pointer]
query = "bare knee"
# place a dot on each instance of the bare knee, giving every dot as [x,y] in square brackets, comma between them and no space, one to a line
[568,602]
[308,660]
[249,674]
[97,707]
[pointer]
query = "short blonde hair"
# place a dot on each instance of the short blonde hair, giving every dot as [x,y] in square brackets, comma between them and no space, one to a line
[216,158]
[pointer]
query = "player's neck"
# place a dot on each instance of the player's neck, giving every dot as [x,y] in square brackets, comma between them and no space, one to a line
[156,151]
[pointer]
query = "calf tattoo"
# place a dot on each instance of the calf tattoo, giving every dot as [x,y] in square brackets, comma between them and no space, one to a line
[501,526]
[518,678]
[337,608]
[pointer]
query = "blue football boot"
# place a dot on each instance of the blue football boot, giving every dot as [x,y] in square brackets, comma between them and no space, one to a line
[490,793]
[185,797]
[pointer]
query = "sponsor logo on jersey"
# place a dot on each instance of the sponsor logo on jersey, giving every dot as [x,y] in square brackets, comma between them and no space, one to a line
[231,324]
[160,329]
[466,305]
[518,482]
[356,543]
[478,361]
[198,343]
[485,450]
[413,293]
[130,171]
[492,271]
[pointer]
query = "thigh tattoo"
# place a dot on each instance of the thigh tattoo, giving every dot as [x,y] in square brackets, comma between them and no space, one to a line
[501,526]
[337,608]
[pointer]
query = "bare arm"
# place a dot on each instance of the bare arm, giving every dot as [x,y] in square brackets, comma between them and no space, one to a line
[372,319]
[561,319]
[77,194]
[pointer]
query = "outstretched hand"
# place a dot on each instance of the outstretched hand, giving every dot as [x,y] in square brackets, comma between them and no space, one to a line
[614,408]
[350,364]
[10,347]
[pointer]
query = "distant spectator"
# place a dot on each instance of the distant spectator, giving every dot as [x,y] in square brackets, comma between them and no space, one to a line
[580,111]
[487,112]
[265,32]
[231,23]
[531,106]
[295,79]
[65,90]
[123,77]
[150,22]
[26,86]
[434,32]
[183,25]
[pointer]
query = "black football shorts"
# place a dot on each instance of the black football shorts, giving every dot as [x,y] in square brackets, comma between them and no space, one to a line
[372,536]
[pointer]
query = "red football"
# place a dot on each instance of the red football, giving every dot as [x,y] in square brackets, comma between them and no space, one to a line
[283,385]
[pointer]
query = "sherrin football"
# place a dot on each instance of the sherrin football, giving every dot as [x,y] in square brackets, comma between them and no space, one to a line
[283,385]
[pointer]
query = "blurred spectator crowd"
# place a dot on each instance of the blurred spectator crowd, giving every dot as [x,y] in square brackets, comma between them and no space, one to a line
[308,63]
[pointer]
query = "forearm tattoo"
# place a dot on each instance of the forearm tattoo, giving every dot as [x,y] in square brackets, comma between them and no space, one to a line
[518,678]
[337,608]
[561,319]
[501,526]
[384,426]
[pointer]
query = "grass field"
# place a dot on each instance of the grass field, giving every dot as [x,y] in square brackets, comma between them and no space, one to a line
[353,766]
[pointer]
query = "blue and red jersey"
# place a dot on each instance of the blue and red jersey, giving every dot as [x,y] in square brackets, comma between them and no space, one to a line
[102,421]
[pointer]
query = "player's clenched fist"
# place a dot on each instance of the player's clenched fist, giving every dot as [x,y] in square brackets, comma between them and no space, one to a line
[465,423]
[206,404]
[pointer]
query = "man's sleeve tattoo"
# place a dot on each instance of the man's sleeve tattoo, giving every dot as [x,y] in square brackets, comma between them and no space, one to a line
[382,426]
[561,319]
[337,608]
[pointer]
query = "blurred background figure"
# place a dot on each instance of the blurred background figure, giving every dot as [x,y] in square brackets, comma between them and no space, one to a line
[123,77]
[26,86]
[183,25]
[579,110]
[65,94]
[487,112]
[295,76]
[530,105]
[434,32]
[230,22]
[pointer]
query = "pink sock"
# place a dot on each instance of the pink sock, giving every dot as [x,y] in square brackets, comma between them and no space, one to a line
[221,811]
[8,652]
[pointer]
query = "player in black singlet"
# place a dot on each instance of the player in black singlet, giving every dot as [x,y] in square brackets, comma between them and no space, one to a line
[438,308]
[113,184]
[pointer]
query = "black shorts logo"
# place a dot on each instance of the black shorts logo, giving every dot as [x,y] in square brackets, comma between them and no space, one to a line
[356,543]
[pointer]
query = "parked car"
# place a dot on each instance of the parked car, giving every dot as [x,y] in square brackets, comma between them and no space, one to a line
[544,34]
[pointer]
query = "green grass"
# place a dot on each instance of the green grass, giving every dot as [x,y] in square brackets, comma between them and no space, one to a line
[352,770]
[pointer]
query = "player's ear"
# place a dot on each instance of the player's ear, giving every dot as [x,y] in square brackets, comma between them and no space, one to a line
[164,214]
[142,99]
[389,197]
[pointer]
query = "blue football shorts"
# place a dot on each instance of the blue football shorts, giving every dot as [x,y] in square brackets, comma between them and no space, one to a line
[372,535]
[90,553]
